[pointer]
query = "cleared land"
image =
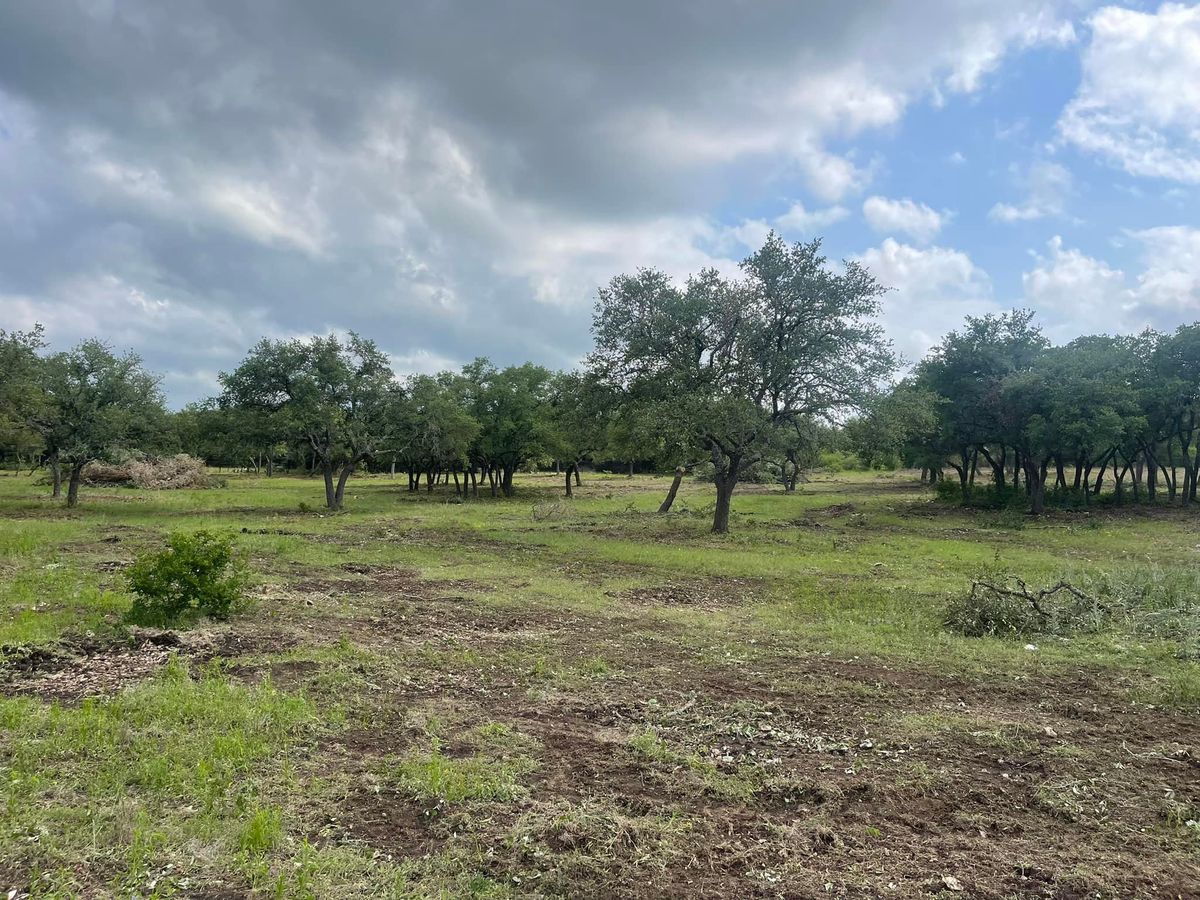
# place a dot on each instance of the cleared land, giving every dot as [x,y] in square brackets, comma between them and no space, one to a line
[538,697]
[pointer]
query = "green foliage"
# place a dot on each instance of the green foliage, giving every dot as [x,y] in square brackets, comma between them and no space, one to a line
[1151,601]
[198,574]
[840,461]
[729,363]
[170,743]
[95,404]
[261,831]
[21,397]
[331,394]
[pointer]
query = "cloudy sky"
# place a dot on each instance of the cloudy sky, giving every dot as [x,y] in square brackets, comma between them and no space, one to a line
[455,179]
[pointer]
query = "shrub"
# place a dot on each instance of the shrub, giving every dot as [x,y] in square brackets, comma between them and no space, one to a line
[948,490]
[981,495]
[197,575]
[839,461]
[1152,602]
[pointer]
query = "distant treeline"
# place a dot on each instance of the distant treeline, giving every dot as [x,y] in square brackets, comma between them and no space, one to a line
[734,378]
[1009,416]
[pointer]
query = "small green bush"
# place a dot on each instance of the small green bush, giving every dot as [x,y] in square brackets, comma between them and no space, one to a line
[199,574]
[948,490]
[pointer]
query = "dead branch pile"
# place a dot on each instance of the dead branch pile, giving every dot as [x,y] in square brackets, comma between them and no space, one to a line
[151,473]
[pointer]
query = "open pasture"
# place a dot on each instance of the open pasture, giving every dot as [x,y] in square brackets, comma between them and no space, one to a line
[536,697]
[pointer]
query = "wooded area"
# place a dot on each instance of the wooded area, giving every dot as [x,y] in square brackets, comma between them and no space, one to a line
[728,378]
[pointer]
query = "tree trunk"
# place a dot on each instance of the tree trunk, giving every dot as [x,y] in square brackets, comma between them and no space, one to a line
[1099,485]
[964,472]
[56,477]
[330,489]
[680,471]
[630,469]
[73,486]
[725,486]
[1035,479]
[507,485]
[575,468]
[997,467]
[567,482]
[340,493]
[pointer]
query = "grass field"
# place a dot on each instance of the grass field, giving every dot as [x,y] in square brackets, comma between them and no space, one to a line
[539,697]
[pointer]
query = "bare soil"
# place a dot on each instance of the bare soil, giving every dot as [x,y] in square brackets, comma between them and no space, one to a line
[784,776]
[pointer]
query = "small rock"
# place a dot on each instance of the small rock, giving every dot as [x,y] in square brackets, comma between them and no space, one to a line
[1049,732]
[952,883]
[1031,646]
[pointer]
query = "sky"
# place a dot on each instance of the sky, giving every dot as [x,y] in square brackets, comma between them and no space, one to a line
[457,179]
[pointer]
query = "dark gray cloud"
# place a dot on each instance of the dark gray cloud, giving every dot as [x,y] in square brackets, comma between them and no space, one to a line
[452,179]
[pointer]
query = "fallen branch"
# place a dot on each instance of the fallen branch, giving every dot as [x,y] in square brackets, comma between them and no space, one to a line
[1034,598]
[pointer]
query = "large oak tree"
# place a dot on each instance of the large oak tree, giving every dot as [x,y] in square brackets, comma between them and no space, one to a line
[791,340]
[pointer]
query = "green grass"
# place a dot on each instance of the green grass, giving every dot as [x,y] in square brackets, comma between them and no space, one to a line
[221,772]
[127,783]
[435,776]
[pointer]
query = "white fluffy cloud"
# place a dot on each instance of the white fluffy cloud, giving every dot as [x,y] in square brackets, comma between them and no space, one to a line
[803,222]
[1139,102]
[1168,289]
[932,290]
[903,217]
[1076,293]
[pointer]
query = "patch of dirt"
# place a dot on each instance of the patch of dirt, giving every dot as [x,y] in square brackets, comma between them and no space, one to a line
[102,674]
[875,779]
[97,667]
[712,593]
[287,673]
[386,821]
[387,581]
[836,510]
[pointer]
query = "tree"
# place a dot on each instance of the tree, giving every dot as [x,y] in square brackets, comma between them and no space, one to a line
[433,431]
[332,394]
[511,406]
[95,404]
[578,416]
[791,340]
[21,394]
[966,371]
[892,427]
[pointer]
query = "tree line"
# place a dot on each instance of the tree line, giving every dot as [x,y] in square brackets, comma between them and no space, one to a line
[1010,415]
[748,376]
